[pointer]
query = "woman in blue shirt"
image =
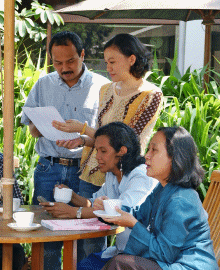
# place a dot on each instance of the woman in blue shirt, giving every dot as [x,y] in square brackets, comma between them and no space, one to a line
[118,155]
[170,230]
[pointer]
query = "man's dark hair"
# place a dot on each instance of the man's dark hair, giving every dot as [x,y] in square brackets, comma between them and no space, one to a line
[63,38]
[119,135]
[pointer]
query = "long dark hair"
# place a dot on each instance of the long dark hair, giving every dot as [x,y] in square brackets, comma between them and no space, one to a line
[119,135]
[186,170]
[63,38]
[128,45]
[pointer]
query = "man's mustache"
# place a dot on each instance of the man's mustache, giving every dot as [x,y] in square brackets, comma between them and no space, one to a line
[66,72]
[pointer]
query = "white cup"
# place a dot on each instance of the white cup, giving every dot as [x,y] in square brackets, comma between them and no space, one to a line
[16,204]
[23,219]
[110,205]
[63,195]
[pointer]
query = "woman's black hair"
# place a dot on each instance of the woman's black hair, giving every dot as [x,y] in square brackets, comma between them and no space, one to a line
[128,45]
[63,38]
[119,135]
[186,170]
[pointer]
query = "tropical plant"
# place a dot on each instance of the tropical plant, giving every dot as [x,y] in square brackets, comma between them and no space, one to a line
[24,79]
[188,104]
[92,35]
[30,22]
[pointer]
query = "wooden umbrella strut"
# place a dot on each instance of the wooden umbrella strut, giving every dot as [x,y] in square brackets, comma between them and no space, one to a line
[8,112]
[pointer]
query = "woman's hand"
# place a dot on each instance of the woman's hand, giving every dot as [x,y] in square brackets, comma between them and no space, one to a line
[61,186]
[98,203]
[70,126]
[70,144]
[59,210]
[125,220]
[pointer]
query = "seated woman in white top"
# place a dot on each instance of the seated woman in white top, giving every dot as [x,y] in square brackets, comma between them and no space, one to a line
[118,155]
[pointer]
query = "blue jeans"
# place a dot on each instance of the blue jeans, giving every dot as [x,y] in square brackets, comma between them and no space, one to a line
[47,174]
[87,246]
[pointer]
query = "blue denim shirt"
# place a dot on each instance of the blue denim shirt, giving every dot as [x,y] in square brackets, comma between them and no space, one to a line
[78,102]
[132,190]
[177,234]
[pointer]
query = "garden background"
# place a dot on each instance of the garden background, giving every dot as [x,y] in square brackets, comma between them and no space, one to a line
[187,100]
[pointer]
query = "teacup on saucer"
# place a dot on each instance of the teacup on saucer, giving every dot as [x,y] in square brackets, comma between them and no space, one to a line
[23,219]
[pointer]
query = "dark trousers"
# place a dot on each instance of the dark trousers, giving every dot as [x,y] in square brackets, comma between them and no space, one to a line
[130,262]
[18,257]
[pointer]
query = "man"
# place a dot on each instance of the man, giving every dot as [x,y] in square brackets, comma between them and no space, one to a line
[74,91]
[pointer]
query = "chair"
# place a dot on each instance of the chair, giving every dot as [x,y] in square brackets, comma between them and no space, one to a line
[212,205]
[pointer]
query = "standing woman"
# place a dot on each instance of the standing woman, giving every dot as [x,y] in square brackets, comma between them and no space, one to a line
[170,231]
[129,99]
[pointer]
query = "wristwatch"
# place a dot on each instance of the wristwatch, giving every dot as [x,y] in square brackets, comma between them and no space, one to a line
[79,212]
[83,141]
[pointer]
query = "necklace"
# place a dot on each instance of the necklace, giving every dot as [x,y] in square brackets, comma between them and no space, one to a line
[130,90]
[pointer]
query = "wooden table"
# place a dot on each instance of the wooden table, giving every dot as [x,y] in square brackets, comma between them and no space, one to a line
[8,237]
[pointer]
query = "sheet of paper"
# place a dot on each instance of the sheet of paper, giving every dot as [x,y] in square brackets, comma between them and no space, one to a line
[42,118]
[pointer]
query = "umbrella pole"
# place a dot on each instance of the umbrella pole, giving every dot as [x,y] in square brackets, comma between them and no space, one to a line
[207,55]
[49,33]
[8,110]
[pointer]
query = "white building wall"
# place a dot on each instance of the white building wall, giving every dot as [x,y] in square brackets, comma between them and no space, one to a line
[194,32]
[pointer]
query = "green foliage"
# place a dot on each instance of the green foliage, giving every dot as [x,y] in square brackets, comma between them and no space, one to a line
[27,21]
[92,35]
[25,77]
[187,104]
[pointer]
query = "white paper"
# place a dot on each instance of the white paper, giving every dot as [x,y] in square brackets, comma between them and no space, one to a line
[42,118]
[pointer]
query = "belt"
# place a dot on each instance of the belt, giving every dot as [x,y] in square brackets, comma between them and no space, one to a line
[65,161]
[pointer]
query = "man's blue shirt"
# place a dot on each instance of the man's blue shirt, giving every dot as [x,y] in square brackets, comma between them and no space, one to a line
[77,102]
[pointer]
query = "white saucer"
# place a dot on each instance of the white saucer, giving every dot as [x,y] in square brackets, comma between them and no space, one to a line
[19,210]
[14,226]
[102,214]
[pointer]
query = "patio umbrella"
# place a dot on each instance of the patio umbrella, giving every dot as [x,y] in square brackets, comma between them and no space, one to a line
[169,10]
[142,9]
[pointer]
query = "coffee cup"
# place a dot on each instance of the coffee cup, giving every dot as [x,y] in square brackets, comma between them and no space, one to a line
[63,195]
[16,204]
[23,219]
[109,206]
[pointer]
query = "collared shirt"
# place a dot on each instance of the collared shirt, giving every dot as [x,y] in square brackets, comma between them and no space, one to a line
[78,102]
[132,190]
[178,236]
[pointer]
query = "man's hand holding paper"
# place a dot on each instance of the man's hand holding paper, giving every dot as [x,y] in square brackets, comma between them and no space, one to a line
[42,118]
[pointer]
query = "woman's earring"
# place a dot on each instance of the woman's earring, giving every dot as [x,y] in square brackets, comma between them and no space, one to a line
[121,169]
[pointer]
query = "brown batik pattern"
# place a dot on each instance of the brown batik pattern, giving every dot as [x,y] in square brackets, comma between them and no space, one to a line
[104,110]
[94,170]
[139,121]
[107,107]
[127,106]
[146,113]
